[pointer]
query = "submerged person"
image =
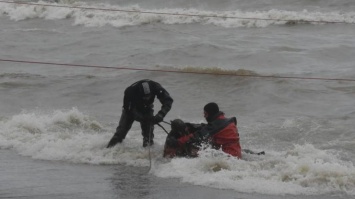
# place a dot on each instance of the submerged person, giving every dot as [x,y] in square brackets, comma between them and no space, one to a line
[220,132]
[180,131]
[138,106]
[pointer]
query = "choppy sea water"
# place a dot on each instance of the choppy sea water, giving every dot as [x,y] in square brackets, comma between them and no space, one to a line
[59,115]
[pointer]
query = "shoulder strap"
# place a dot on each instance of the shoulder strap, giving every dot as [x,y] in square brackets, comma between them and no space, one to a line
[215,126]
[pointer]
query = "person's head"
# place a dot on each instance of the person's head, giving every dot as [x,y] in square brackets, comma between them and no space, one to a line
[178,126]
[210,111]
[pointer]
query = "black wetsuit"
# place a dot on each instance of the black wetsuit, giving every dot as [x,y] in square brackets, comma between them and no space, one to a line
[138,106]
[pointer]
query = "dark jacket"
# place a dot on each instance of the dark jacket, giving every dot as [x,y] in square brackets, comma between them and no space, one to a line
[134,101]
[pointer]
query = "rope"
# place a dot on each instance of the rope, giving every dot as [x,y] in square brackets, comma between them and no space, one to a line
[176,71]
[149,153]
[163,128]
[166,122]
[174,14]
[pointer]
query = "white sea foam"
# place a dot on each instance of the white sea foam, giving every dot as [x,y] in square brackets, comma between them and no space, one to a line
[303,170]
[72,136]
[119,16]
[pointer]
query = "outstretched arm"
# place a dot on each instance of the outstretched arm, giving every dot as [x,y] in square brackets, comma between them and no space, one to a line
[166,101]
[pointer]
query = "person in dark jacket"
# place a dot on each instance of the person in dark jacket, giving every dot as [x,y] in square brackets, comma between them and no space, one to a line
[138,106]
[220,132]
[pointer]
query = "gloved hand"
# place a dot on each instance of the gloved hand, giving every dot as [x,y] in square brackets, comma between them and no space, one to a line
[158,118]
[172,142]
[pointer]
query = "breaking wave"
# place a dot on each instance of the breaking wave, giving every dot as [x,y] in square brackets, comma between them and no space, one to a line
[101,14]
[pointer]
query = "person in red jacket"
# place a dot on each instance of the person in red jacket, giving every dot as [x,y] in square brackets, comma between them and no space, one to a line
[180,131]
[220,132]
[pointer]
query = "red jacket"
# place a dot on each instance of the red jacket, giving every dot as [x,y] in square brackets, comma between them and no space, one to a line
[180,150]
[228,139]
[221,133]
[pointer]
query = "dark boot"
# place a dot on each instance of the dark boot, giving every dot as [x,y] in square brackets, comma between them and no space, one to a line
[147,142]
[147,129]
[148,136]
[121,131]
[114,140]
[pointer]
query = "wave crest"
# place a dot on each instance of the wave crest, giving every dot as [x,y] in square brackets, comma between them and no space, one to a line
[96,15]
[218,71]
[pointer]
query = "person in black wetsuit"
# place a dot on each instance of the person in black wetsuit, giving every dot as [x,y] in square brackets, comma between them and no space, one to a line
[138,106]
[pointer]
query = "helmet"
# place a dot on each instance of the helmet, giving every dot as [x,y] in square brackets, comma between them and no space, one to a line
[178,126]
